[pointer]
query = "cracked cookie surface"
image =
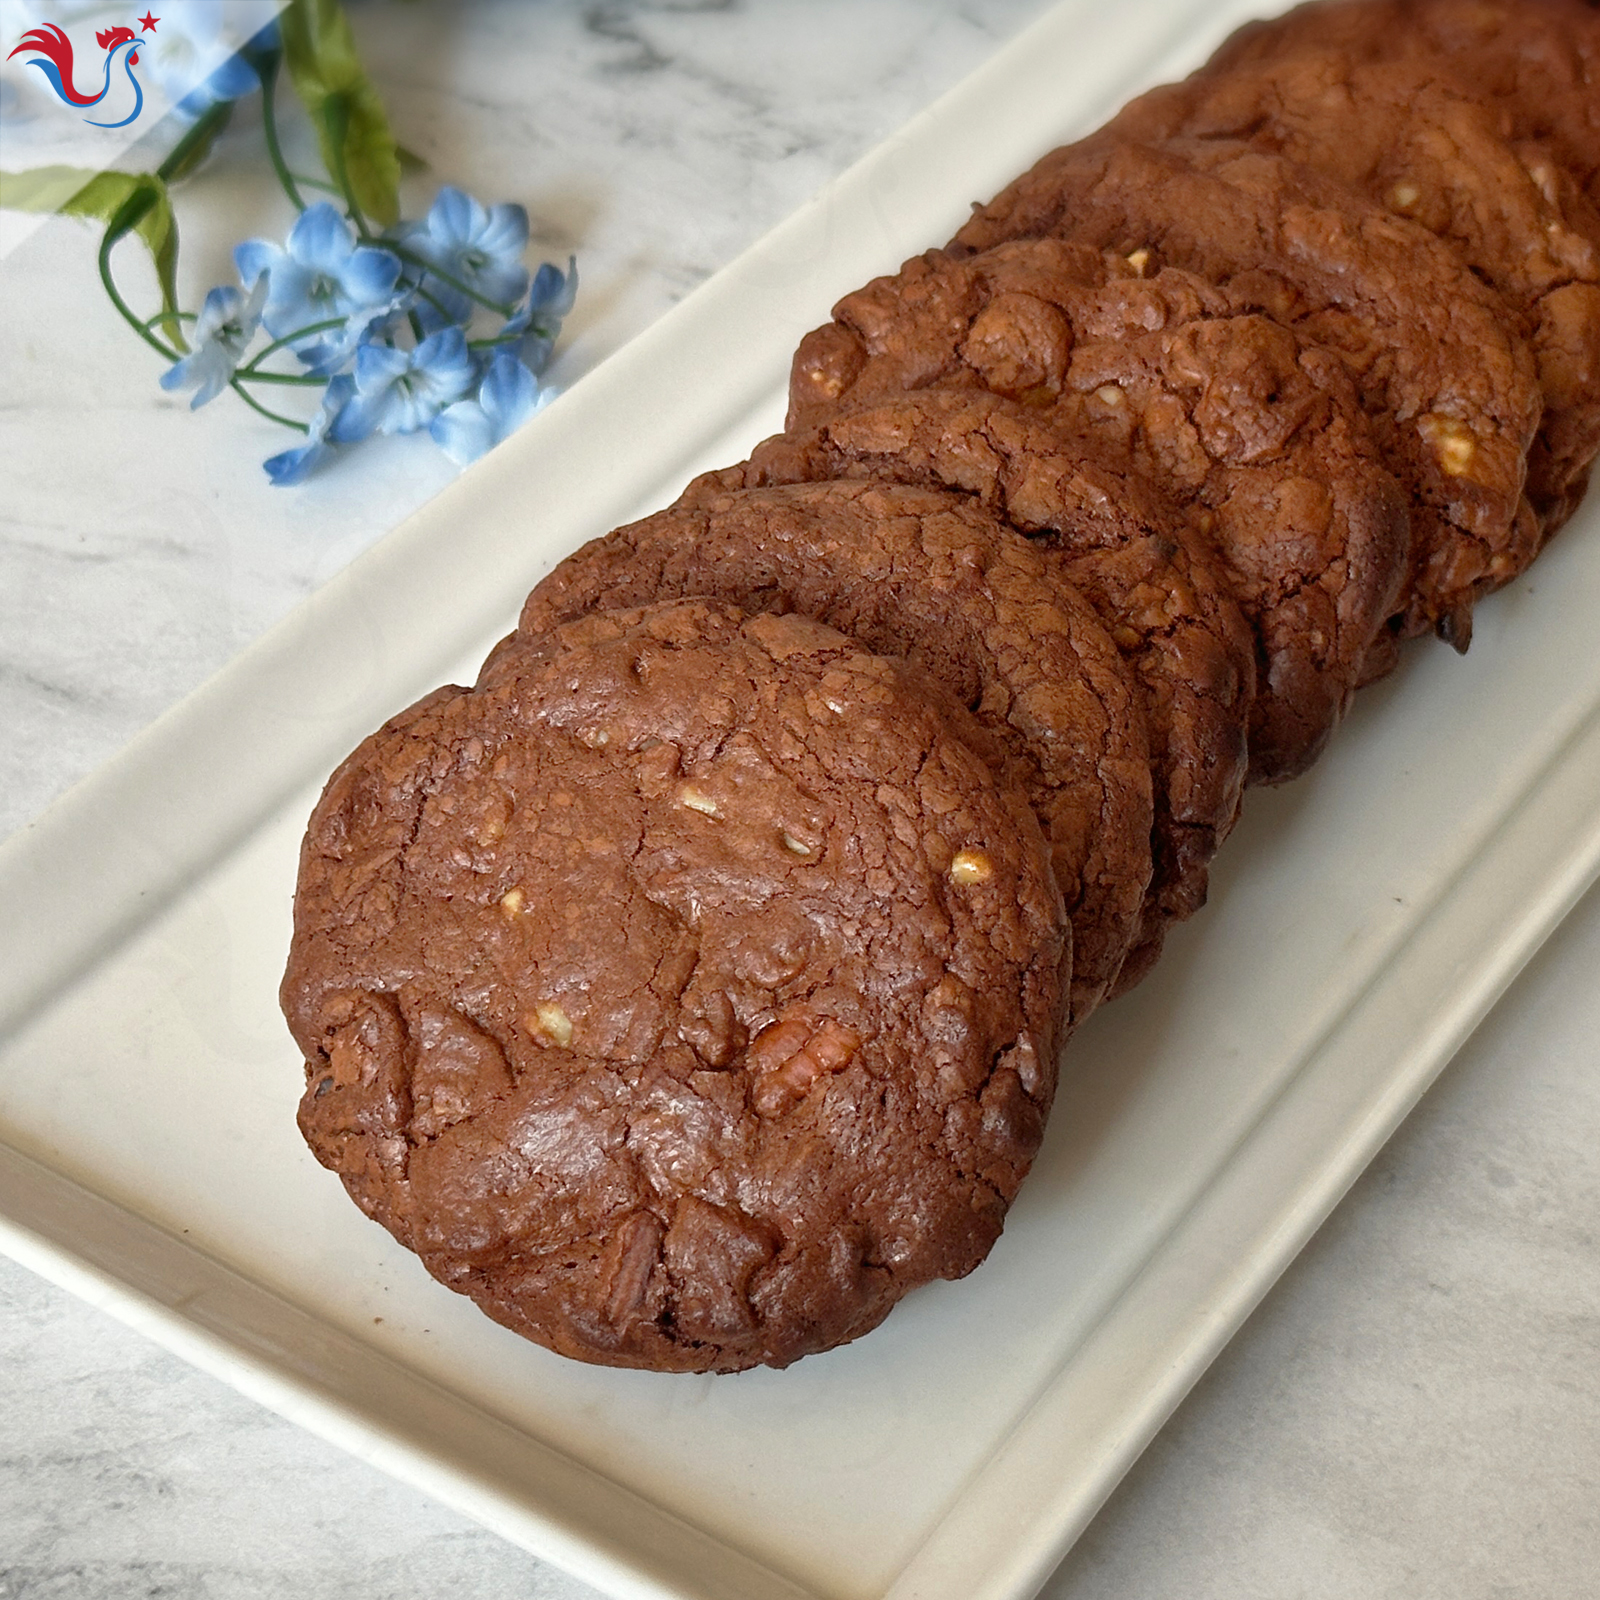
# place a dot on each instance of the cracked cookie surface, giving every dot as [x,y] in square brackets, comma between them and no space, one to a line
[932,576]
[1449,389]
[1184,645]
[1412,138]
[1535,63]
[685,996]
[1234,416]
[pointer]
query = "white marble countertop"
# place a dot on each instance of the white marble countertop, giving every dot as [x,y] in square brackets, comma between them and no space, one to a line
[1414,1410]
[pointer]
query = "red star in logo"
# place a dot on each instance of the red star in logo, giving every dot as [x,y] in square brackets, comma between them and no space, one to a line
[148,23]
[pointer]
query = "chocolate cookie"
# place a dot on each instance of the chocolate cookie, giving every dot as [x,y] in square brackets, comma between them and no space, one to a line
[685,997]
[931,576]
[1450,390]
[1411,138]
[1234,415]
[1109,535]
[1536,63]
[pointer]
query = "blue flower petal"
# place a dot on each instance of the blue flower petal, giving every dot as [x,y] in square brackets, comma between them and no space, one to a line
[205,366]
[359,419]
[321,239]
[378,365]
[331,353]
[554,291]
[295,466]
[505,283]
[254,257]
[509,394]
[233,80]
[220,306]
[289,304]
[541,314]
[227,323]
[505,232]
[339,393]
[445,349]
[290,467]
[442,307]
[370,275]
[462,431]
[454,216]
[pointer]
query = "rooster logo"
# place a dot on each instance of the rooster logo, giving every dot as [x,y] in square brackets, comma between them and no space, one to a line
[50,50]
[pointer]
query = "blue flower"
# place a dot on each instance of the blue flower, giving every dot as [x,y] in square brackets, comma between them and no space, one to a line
[507,397]
[481,248]
[227,323]
[191,35]
[540,316]
[322,277]
[400,391]
[295,466]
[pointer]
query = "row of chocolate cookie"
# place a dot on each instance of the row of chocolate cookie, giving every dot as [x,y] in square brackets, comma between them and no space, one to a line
[1411,183]
[1338,306]
[688,990]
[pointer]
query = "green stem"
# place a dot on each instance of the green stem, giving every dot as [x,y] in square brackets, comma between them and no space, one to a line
[303,380]
[296,380]
[289,338]
[211,122]
[268,69]
[170,316]
[314,183]
[272,416]
[127,217]
[413,259]
[336,109]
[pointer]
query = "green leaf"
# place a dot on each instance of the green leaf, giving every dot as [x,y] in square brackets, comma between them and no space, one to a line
[358,147]
[100,197]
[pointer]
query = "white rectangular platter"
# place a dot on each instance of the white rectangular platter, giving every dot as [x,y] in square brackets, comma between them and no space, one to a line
[1362,922]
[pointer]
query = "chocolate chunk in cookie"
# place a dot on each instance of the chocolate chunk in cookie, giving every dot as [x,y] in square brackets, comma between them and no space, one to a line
[1142,569]
[1235,416]
[686,996]
[1410,137]
[931,576]
[1450,390]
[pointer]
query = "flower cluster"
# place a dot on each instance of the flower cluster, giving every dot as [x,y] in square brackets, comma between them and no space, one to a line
[386,326]
[399,327]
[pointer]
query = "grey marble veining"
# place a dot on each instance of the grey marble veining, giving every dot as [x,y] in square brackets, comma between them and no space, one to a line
[124,1473]
[141,548]
[1413,1412]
